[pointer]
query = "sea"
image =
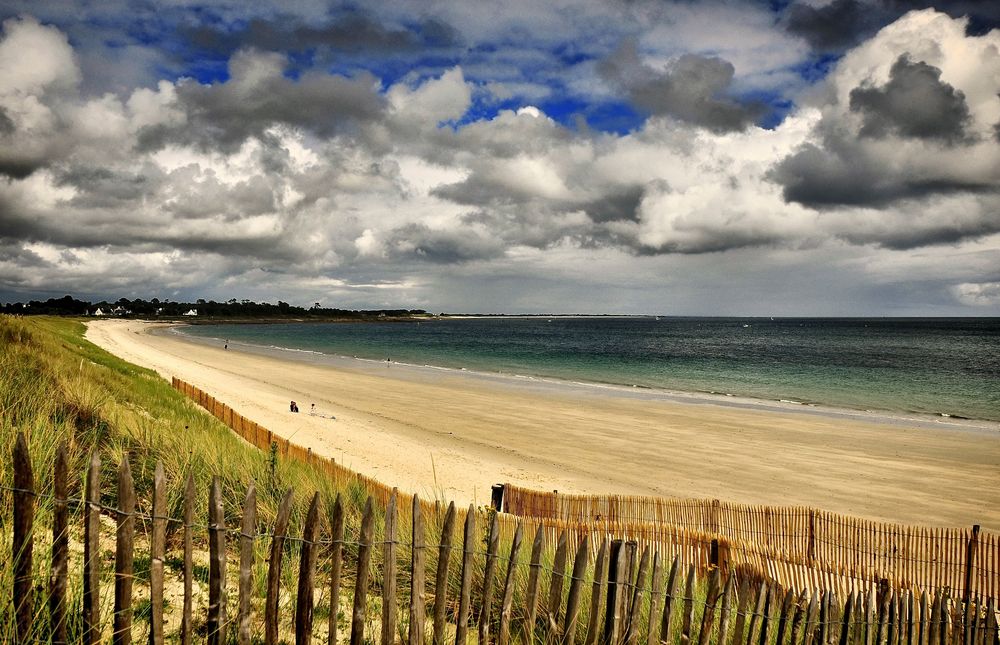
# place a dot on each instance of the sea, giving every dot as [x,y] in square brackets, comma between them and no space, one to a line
[946,369]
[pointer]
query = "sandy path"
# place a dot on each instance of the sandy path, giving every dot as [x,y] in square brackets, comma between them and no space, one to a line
[451,435]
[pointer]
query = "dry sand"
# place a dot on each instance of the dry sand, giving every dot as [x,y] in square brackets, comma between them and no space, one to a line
[453,435]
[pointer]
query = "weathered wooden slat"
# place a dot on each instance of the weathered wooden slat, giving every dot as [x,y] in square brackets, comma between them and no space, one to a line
[124,556]
[465,588]
[507,600]
[758,611]
[248,533]
[489,576]
[361,580]
[810,622]
[418,552]
[217,619]
[307,575]
[531,593]
[670,599]
[22,546]
[824,618]
[655,599]
[617,577]
[785,614]
[441,577]
[157,551]
[274,568]
[336,513]
[726,609]
[635,605]
[389,549]
[708,617]
[765,616]
[924,625]
[576,589]
[741,612]
[186,618]
[91,554]
[935,620]
[597,593]
[687,618]
[60,547]
[799,610]
[556,585]
[845,631]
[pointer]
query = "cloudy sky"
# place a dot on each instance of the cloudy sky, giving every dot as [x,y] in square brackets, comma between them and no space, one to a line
[749,158]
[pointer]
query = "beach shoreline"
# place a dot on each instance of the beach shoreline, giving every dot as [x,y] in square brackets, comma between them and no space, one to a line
[452,433]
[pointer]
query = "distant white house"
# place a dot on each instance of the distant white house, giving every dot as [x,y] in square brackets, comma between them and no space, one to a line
[99,312]
[191,312]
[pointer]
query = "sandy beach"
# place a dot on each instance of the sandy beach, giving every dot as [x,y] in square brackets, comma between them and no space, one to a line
[453,435]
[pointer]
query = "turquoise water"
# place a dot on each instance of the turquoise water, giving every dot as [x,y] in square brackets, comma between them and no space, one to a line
[926,366]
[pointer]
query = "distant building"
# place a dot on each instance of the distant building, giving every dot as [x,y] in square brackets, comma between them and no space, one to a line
[191,312]
[99,312]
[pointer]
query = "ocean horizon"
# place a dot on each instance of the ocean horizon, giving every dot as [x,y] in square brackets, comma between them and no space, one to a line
[936,367]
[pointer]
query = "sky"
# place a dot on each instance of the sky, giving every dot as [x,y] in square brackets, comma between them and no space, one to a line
[662,157]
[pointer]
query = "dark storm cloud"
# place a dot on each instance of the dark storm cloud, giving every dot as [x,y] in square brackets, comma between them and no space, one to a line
[6,123]
[258,96]
[834,26]
[619,204]
[914,103]
[350,33]
[102,187]
[844,173]
[841,24]
[420,242]
[692,89]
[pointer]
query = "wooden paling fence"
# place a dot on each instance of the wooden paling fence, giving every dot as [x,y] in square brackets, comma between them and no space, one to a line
[791,546]
[794,539]
[614,592]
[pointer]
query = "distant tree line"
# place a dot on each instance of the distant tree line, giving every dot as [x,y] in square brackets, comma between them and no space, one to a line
[156,308]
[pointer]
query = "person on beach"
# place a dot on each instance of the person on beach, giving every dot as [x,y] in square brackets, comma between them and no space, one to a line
[312,409]
[226,346]
[293,407]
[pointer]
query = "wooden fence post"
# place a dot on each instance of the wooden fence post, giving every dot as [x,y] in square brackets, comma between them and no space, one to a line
[556,584]
[970,565]
[613,606]
[724,612]
[274,569]
[635,606]
[60,547]
[655,599]
[489,575]
[708,618]
[441,579]
[361,581]
[248,533]
[496,498]
[811,536]
[418,553]
[217,620]
[576,589]
[307,576]
[688,615]
[669,598]
[596,600]
[22,546]
[507,599]
[157,551]
[124,556]
[531,593]
[389,573]
[336,564]
[186,619]
[465,588]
